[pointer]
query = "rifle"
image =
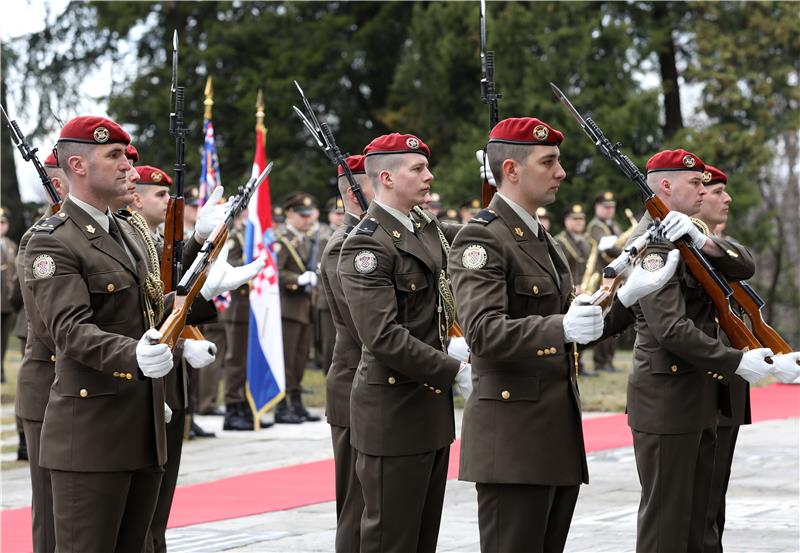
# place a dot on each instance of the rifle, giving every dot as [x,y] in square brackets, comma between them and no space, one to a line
[489,96]
[172,256]
[749,300]
[715,286]
[29,154]
[195,276]
[323,136]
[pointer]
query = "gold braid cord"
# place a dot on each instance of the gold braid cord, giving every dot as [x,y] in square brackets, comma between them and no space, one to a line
[153,287]
[445,290]
[701,225]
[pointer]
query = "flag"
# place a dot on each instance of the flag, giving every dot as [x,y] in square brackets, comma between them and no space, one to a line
[209,179]
[266,380]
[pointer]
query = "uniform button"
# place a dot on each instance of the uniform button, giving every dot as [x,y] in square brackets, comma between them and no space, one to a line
[392,380]
[110,287]
[539,353]
[438,391]
[413,287]
[535,290]
[53,358]
[714,375]
[720,377]
[129,376]
[505,394]
[553,350]
[116,373]
[674,368]
[84,392]
[242,292]
[709,372]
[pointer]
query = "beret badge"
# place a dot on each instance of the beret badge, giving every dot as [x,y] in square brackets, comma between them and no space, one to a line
[157,176]
[412,143]
[688,161]
[101,135]
[540,132]
[706,177]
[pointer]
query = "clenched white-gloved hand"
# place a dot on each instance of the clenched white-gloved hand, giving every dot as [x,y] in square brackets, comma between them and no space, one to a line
[223,276]
[607,242]
[309,277]
[677,224]
[210,215]
[458,348]
[583,323]
[486,172]
[464,380]
[786,367]
[642,282]
[167,413]
[154,359]
[199,353]
[753,366]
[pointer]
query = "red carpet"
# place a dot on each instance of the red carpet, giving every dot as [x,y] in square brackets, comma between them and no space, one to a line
[310,483]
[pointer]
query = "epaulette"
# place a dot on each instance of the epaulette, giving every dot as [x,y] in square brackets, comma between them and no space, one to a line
[484,216]
[124,213]
[347,230]
[367,226]
[50,224]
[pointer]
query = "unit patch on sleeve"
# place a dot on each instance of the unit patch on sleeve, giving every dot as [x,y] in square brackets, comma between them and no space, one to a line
[474,257]
[44,266]
[365,262]
[652,262]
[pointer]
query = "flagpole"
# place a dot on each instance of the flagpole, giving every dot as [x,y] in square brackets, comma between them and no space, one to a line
[209,101]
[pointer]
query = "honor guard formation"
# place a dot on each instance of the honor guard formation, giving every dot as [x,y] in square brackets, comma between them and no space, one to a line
[137,298]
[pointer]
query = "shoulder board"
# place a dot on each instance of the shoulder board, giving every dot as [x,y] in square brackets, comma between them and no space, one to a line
[124,213]
[484,217]
[50,223]
[367,226]
[347,230]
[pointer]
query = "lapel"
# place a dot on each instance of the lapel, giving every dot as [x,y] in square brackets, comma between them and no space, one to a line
[134,243]
[403,239]
[526,239]
[97,237]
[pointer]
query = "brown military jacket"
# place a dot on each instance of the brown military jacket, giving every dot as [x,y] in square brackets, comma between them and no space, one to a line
[347,348]
[323,236]
[576,251]
[401,402]
[678,357]
[8,254]
[596,229]
[292,258]
[102,413]
[522,423]
[239,310]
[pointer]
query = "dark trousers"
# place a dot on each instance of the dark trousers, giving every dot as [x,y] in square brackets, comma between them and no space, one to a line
[675,472]
[723,458]
[403,499]
[104,511]
[235,362]
[524,518]
[157,542]
[44,534]
[326,339]
[205,389]
[349,500]
[603,353]
[295,353]
[6,324]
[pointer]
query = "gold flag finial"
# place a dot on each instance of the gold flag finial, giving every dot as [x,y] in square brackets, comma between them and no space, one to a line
[209,101]
[260,113]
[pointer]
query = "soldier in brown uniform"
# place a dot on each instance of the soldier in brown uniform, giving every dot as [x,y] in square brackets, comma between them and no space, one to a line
[346,355]
[678,362]
[103,436]
[522,440]
[8,255]
[401,405]
[604,231]
[576,250]
[296,260]
[326,330]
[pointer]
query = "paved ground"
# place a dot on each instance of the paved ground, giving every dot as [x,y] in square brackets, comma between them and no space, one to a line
[763,505]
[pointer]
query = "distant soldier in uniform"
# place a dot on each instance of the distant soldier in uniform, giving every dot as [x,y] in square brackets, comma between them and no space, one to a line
[450,216]
[322,331]
[522,440]
[576,250]
[326,331]
[296,260]
[335,211]
[435,205]
[468,209]
[401,406]
[605,231]
[151,199]
[103,436]
[8,255]
[678,361]
[346,355]
[544,219]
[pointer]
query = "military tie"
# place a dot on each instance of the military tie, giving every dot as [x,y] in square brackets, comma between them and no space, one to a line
[113,230]
[552,254]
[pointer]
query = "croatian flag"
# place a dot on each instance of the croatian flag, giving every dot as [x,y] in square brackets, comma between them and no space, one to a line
[266,380]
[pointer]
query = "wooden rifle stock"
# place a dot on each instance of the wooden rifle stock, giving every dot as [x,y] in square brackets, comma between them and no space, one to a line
[767,336]
[173,230]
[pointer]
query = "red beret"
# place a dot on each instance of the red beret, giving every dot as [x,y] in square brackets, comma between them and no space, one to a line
[675,160]
[132,153]
[153,175]
[712,175]
[397,143]
[51,162]
[356,165]
[89,129]
[527,131]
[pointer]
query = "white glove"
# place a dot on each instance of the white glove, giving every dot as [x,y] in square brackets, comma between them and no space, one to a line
[677,224]
[154,359]
[211,214]
[309,277]
[199,353]
[486,172]
[786,367]
[167,413]
[458,348]
[753,367]
[606,243]
[641,282]
[583,323]
[223,276]
[464,380]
